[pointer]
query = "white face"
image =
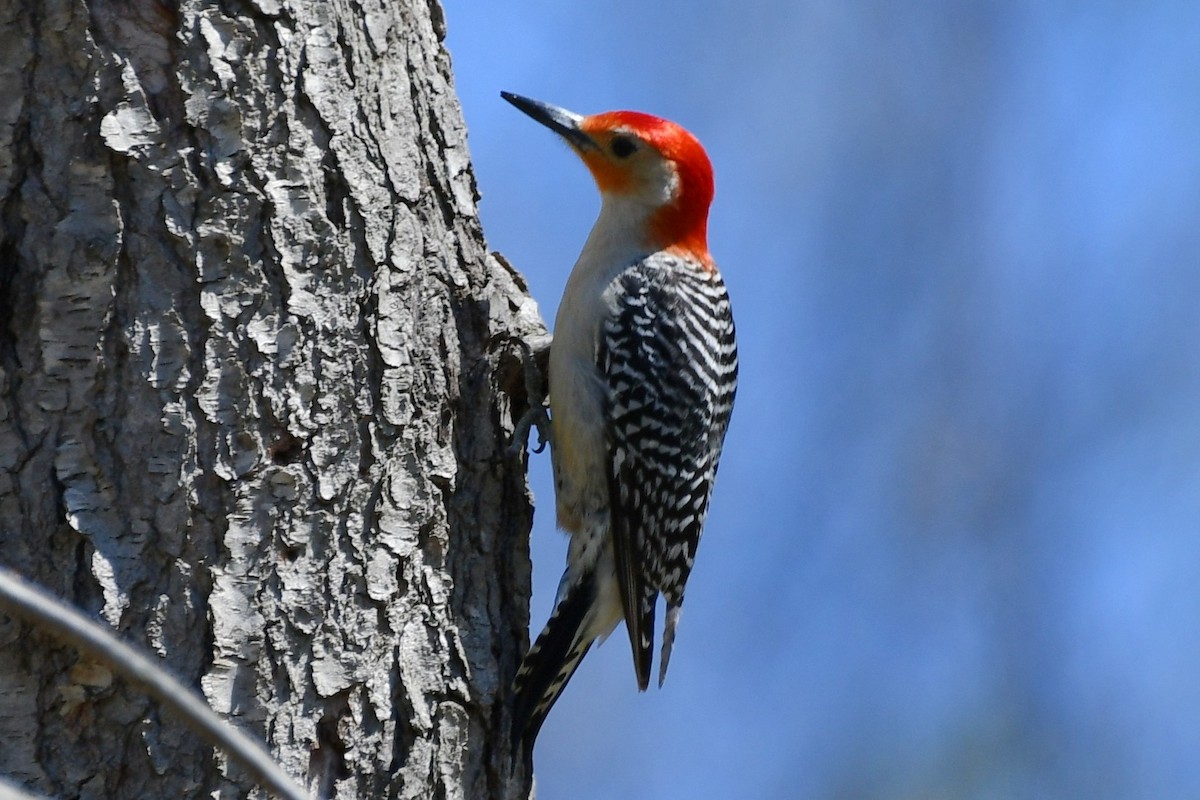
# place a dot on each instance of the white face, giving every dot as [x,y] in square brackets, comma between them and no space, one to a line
[631,169]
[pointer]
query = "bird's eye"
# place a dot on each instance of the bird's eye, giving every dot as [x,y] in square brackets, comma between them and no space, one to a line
[622,146]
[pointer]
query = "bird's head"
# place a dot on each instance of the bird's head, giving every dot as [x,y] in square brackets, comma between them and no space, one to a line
[645,161]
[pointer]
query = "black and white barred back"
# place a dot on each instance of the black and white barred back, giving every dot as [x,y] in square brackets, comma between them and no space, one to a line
[669,364]
[669,358]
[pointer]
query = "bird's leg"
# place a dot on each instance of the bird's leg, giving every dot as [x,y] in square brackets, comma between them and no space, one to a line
[534,357]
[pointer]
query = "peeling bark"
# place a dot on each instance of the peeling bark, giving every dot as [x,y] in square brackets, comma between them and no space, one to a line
[249,401]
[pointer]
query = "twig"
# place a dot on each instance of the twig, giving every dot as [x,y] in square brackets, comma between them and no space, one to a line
[34,605]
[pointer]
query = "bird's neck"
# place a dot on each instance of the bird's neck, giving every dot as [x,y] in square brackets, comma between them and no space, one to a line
[629,227]
[622,233]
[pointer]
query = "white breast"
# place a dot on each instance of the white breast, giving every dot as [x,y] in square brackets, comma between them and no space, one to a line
[577,392]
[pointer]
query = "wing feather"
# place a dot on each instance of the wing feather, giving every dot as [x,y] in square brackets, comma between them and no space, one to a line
[668,358]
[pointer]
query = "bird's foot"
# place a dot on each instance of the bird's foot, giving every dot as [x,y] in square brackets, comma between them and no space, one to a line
[534,357]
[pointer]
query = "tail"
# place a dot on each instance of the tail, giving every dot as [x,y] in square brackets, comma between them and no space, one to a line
[673,609]
[551,662]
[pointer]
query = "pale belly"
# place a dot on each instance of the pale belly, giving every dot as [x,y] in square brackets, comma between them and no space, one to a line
[578,448]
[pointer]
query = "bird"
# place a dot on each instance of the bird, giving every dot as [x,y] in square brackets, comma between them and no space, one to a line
[642,378]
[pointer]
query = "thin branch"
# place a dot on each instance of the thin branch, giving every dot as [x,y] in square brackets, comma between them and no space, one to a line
[34,605]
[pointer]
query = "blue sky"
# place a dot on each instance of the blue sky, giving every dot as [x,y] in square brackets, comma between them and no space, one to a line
[954,549]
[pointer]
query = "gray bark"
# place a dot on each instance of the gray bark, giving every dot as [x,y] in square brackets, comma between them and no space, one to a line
[249,402]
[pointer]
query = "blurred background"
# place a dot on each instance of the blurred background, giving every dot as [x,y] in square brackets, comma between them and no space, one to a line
[954,549]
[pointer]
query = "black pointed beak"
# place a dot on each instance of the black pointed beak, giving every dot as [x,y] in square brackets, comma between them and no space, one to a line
[565,123]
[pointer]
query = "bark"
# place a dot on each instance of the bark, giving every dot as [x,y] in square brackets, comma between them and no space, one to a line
[250,348]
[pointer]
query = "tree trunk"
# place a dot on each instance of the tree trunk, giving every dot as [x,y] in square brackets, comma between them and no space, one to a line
[249,405]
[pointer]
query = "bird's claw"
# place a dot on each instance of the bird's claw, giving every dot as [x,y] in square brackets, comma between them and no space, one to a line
[535,417]
[538,413]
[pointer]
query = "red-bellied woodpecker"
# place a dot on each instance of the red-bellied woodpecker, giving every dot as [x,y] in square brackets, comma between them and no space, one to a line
[643,370]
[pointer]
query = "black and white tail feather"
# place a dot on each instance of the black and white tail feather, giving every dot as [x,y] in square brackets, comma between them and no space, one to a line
[551,661]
